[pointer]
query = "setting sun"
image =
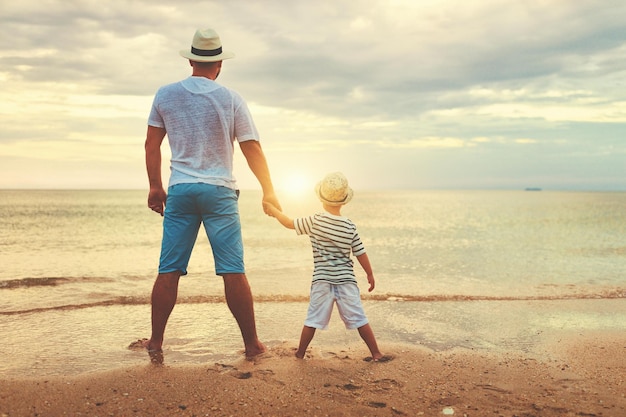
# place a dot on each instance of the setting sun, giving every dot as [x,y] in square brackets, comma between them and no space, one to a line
[297,184]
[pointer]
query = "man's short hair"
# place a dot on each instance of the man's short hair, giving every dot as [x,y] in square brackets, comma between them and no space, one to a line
[205,64]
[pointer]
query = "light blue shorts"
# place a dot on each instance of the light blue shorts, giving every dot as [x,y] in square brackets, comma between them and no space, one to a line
[188,206]
[348,299]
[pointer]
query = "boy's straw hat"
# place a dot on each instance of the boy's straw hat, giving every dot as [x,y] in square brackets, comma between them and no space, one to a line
[334,190]
[206,47]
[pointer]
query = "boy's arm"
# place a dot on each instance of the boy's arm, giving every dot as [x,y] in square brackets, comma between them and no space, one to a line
[279,215]
[367,267]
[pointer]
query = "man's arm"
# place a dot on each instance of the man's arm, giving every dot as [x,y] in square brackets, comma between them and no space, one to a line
[255,157]
[157,195]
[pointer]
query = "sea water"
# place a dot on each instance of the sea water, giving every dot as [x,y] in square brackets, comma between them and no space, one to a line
[452,268]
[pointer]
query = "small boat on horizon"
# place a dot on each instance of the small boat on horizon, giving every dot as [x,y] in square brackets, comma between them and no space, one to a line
[533,189]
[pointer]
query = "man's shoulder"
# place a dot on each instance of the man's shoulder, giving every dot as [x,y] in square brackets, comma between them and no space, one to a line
[170,87]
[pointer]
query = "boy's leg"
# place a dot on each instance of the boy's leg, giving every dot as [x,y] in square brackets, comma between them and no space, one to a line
[318,315]
[367,334]
[305,339]
[352,313]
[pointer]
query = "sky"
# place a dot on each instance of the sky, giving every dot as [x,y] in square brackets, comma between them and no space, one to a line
[396,94]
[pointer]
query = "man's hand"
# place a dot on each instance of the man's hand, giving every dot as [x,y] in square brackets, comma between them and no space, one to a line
[270,199]
[156,200]
[372,281]
[270,209]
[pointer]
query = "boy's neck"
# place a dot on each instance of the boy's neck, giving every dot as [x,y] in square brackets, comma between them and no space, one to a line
[336,210]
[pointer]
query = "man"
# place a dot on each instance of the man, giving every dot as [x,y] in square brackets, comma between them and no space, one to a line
[202,121]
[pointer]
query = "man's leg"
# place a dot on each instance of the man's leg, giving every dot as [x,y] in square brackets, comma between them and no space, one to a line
[241,304]
[164,293]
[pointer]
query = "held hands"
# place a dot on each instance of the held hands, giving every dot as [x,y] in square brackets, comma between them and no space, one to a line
[275,212]
[271,204]
[270,209]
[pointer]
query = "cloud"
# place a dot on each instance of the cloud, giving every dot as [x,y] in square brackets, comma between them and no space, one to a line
[447,83]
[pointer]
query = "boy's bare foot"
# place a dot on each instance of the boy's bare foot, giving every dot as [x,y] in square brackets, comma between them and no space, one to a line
[381,358]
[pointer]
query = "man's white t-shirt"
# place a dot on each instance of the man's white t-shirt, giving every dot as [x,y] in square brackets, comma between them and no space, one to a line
[202,120]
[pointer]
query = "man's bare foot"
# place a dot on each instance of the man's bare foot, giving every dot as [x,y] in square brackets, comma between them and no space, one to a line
[138,344]
[299,355]
[255,350]
[155,353]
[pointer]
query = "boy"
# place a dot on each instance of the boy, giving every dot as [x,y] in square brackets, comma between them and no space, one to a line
[333,238]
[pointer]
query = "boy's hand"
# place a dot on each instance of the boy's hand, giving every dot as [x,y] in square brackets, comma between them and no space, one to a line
[372,281]
[275,212]
[269,209]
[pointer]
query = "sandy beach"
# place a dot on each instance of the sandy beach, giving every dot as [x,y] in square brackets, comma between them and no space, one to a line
[571,374]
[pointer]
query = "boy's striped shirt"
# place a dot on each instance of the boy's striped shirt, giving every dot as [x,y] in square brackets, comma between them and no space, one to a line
[333,239]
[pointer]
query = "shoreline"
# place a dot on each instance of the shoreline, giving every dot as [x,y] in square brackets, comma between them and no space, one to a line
[74,342]
[570,373]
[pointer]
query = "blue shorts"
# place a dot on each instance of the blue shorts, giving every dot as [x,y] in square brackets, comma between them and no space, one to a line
[348,299]
[188,206]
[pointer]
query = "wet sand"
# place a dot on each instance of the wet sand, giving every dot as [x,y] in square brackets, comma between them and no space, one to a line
[572,373]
